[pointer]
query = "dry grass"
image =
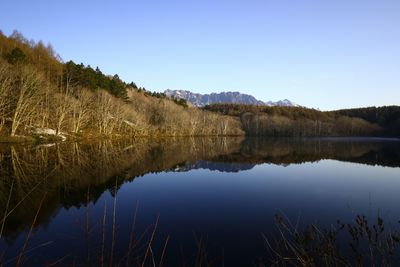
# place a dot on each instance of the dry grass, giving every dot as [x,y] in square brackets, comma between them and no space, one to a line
[139,251]
[357,243]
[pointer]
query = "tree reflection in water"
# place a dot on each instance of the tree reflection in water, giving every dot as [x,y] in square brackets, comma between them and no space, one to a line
[66,172]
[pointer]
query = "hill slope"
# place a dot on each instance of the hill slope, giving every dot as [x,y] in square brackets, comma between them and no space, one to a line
[300,121]
[41,95]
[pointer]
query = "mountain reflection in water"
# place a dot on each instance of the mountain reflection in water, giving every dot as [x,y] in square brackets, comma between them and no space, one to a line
[66,172]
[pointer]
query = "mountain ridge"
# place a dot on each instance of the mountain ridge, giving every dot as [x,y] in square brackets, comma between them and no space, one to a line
[201,100]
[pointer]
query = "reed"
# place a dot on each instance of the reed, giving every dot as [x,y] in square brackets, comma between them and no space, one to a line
[355,243]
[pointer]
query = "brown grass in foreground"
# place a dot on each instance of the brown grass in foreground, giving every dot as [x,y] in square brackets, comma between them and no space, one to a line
[357,243]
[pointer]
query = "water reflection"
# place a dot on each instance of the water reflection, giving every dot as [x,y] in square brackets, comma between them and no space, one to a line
[71,175]
[65,171]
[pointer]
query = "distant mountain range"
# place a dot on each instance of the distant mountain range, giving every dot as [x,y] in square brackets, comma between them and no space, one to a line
[201,100]
[214,166]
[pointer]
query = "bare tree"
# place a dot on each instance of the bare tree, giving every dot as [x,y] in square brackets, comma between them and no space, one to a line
[117,116]
[61,105]
[224,123]
[103,115]
[81,108]
[5,87]
[26,96]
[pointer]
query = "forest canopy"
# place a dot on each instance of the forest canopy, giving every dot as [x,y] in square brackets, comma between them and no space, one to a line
[301,121]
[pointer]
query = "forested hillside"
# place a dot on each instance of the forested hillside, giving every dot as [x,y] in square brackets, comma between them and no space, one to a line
[42,95]
[387,117]
[300,121]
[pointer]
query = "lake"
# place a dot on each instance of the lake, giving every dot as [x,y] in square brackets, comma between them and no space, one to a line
[194,200]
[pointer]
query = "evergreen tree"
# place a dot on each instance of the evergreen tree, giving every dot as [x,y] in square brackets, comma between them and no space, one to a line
[16,56]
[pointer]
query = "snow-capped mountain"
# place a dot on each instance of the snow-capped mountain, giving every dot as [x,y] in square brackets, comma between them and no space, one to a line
[201,100]
[282,103]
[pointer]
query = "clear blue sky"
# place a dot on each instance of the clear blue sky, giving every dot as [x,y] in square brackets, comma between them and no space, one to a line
[323,54]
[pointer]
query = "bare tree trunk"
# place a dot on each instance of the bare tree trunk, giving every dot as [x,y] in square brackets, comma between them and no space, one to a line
[5,88]
[27,96]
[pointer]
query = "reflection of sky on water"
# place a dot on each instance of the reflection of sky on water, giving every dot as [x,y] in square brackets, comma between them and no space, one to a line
[329,188]
[229,202]
[224,204]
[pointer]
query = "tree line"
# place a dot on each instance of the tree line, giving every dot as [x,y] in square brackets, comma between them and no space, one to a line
[300,121]
[387,117]
[41,94]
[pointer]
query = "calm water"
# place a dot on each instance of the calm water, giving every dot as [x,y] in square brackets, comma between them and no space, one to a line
[211,198]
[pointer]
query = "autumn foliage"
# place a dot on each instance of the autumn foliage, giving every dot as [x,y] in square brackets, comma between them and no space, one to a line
[40,94]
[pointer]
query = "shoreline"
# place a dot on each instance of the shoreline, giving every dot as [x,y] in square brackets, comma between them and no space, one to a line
[46,139]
